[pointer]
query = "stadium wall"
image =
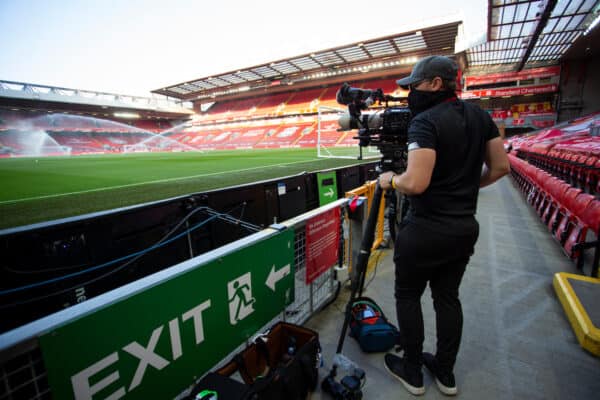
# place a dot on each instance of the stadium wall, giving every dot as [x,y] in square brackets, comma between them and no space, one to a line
[62,355]
[579,94]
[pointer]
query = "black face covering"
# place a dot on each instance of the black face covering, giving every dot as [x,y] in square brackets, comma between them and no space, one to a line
[419,100]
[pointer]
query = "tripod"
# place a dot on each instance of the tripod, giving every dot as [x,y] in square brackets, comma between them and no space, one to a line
[357,285]
[350,386]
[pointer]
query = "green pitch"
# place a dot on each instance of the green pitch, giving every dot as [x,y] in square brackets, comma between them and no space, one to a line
[47,188]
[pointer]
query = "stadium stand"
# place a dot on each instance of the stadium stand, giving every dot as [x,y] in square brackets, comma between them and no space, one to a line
[328,98]
[537,115]
[570,151]
[256,122]
[557,169]
[288,135]
[151,126]
[329,135]
[81,142]
[248,137]
[231,110]
[60,133]
[305,102]
[262,122]
[273,105]
[195,139]
[388,86]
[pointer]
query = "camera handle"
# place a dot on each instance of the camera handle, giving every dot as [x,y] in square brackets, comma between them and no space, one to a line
[357,285]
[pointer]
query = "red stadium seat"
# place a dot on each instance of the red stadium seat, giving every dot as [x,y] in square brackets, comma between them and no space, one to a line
[573,227]
[560,224]
[556,191]
[587,217]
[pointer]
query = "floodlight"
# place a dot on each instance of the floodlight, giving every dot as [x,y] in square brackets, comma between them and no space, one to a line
[126,115]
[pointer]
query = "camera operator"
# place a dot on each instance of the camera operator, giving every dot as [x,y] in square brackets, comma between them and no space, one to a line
[454,148]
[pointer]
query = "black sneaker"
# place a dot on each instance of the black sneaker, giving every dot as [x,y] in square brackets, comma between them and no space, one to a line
[410,377]
[444,380]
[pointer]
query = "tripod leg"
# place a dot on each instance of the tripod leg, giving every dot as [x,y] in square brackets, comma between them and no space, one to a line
[362,261]
[368,239]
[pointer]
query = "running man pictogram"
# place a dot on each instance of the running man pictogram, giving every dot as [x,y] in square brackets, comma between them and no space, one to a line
[239,292]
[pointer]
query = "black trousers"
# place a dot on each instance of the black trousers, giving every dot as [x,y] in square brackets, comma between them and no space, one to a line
[422,255]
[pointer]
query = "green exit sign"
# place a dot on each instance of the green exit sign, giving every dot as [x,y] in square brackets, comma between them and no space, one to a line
[153,344]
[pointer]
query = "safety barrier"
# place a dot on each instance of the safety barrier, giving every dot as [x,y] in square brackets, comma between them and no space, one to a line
[579,297]
[368,190]
[154,337]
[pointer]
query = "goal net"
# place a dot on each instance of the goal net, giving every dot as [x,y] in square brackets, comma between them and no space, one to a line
[332,143]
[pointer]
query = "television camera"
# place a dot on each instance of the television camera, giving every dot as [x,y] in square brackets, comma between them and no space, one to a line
[385,129]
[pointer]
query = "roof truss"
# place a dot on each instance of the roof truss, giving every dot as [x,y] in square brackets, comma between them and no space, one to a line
[531,33]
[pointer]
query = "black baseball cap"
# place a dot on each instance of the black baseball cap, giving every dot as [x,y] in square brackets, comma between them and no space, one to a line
[429,68]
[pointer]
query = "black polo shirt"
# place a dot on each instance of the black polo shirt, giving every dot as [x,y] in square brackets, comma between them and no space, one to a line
[458,132]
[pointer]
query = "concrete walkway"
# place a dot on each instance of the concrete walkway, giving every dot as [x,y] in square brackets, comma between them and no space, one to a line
[517,342]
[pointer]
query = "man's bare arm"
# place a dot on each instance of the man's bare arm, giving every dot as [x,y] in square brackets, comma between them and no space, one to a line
[496,163]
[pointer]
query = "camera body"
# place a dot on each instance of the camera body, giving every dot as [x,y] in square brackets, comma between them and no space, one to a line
[349,388]
[386,129]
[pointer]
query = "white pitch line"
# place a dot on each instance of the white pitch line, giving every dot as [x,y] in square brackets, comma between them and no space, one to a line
[151,182]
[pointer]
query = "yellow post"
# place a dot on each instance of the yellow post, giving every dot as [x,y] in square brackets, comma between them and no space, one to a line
[367,190]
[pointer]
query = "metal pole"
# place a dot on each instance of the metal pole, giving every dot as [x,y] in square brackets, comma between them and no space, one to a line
[319,132]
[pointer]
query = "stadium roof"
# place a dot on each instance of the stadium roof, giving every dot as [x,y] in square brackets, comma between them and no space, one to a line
[521,34]
[389,53]
[531,33]
[32,96]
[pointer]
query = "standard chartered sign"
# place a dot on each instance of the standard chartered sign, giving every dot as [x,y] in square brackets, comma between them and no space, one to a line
[153,344]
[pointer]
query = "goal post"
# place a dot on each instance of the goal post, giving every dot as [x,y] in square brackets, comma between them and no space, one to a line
[332,143]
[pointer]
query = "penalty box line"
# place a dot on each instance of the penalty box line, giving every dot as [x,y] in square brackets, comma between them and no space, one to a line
[49,196]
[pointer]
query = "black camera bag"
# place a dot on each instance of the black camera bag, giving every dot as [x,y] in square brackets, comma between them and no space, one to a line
[281,364]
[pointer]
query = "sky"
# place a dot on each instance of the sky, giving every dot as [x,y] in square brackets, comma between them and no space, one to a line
[135,46]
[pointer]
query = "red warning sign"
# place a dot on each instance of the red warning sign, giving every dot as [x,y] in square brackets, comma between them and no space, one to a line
[322,243]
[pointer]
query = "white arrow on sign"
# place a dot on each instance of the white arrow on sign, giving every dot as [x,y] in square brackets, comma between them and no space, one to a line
[328,193]
[276,276]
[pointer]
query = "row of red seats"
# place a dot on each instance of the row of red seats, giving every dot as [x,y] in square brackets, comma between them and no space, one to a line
[151,126]
[17,142]
[62,122]
[265,136]
[81,142]
[303,102]
[568,212]
[580,170]
[273,134]
[573,135]
[570,151]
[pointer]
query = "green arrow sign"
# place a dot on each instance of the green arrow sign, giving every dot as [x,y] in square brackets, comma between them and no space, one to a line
[153,344]
[327,184]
